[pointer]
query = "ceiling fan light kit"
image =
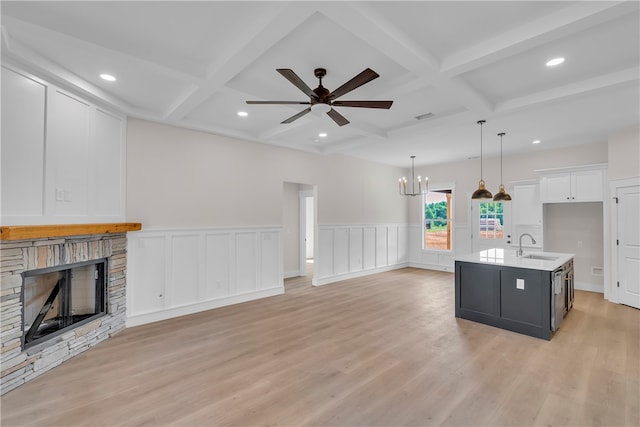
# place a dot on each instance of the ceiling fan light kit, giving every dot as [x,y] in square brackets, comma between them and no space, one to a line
[402,183]
[321,100]
[481,192]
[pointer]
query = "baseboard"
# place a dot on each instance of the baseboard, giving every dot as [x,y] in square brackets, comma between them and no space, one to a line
[290,274]
[156,316]
[591,287]
[437,267]
[332,279]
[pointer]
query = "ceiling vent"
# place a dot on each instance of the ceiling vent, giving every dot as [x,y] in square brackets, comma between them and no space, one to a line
[424,116]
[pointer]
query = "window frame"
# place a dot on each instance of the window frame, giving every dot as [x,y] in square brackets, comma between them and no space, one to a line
[451,221]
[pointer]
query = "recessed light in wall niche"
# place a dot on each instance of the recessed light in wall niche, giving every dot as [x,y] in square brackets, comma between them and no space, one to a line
[107,77]
[555,61]
[243,113]
[322,134]
[537,141]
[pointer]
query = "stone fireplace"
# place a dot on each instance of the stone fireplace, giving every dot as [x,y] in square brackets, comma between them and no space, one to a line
[70,282]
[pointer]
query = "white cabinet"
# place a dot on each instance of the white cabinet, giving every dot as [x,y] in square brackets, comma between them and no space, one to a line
[526,214]
[580,185]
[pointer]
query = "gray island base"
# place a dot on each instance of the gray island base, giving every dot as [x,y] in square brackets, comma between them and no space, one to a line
[528,294]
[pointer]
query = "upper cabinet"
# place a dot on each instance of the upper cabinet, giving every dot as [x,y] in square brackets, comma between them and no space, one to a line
[63,157]
[567,185]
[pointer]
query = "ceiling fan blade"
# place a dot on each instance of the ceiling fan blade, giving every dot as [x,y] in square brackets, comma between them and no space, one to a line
[337,117]
[297,82]
[297,116]
[364,104]
[364,77]
[277,102]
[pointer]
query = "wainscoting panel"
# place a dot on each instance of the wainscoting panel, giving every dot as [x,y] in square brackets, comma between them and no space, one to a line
[347,251]
[437,260]
[340,250]
[356,245]
[185,275]
[270,263]
[218,265]
[369,247]
[246,262]
[148,273]
[177,272]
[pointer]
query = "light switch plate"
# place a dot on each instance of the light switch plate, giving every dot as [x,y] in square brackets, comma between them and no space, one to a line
[519,283]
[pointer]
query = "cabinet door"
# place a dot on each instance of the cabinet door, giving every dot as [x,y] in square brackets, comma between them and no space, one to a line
[587,186]
[555,188]
[527,208]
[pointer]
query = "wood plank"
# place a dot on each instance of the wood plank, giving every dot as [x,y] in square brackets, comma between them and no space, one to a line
[380,350]
[26,232]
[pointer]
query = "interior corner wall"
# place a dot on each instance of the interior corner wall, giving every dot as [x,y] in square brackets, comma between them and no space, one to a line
[624,154]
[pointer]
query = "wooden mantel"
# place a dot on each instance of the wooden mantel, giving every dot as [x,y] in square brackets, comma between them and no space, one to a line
[25,232]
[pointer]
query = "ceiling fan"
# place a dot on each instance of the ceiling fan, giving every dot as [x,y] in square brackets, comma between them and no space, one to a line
[321,100]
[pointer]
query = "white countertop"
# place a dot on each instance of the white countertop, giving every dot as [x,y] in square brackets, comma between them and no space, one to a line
[508,258]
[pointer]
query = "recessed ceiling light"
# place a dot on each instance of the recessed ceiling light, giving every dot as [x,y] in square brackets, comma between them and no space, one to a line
[108,77]
[322,134]
[243,113]
[554,62]
[537,141]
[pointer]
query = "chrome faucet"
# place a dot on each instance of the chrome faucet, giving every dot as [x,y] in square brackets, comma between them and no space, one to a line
[521,236]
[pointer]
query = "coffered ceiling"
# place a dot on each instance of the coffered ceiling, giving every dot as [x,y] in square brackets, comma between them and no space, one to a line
[194,64]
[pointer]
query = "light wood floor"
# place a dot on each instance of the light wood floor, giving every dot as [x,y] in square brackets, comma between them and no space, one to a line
[383,350]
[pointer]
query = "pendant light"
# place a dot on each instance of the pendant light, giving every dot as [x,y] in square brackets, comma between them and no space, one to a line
[481,192]
[402,183]
[501,195]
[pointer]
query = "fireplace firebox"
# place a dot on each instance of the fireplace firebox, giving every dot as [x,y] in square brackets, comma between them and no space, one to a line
[57,299]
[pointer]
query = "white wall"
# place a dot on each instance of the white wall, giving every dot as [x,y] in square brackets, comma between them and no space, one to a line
[577,228]
[624,154]
[183,178]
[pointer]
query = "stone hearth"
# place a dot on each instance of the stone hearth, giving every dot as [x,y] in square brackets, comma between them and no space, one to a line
[20,365]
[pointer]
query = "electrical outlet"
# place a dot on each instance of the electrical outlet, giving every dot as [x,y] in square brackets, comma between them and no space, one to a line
[519,283]
[59,194]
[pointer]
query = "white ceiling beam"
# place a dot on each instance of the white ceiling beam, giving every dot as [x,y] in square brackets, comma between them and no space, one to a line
[376,30]
[563,22]
[255,38]
[574,89]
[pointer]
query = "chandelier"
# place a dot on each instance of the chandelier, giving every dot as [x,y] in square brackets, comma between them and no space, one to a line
[402,183]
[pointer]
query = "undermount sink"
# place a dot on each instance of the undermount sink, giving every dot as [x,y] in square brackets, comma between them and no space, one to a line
[540,256]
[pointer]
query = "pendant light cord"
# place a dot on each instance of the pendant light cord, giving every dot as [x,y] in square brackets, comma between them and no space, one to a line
[481,122]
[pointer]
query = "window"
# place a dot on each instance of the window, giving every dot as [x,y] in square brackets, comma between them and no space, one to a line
[491,220]
[438,220]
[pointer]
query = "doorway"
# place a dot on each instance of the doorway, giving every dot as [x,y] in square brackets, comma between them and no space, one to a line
[299,225]
[307,225]
[491,224]
[626,237]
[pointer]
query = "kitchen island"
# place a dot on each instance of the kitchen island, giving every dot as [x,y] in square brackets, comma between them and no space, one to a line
[529,294]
